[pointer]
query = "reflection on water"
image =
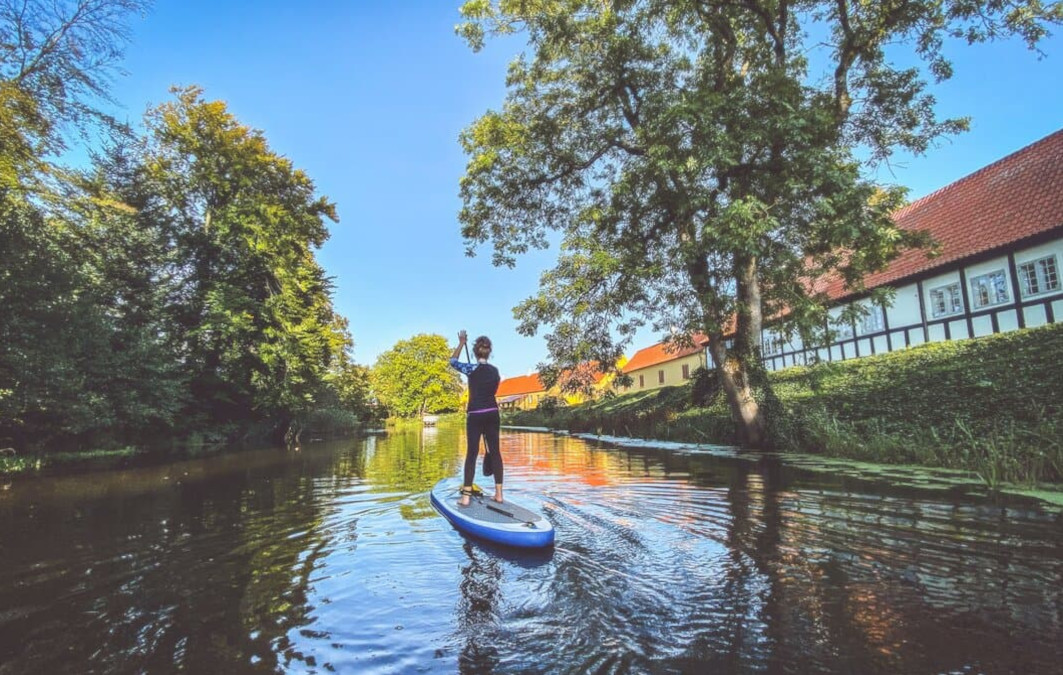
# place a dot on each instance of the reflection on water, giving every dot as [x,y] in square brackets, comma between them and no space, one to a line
[332,559]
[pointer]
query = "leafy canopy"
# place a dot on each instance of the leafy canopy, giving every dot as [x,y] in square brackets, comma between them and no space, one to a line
[705,161]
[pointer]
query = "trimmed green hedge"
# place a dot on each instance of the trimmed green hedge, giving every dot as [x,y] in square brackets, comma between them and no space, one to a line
[993,405]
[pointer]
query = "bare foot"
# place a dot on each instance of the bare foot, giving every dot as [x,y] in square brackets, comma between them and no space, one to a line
[498,494]
[464,501]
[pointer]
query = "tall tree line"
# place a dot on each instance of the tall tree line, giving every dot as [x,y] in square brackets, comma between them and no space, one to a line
[168,289]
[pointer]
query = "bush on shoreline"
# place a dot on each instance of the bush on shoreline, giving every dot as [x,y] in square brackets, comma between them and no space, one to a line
[991,405]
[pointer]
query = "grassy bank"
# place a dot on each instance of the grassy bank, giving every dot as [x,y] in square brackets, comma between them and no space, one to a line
[992,405]
[11,465]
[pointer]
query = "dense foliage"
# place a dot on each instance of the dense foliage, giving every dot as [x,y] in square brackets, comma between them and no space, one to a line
[414,377]
[990,405]
[169,289]
[703,161]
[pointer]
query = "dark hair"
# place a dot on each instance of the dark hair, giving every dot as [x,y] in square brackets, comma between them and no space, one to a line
[482,347]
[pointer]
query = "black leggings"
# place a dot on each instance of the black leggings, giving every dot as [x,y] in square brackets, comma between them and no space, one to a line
[482,424]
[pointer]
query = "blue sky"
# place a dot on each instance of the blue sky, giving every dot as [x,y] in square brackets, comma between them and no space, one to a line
[369,98]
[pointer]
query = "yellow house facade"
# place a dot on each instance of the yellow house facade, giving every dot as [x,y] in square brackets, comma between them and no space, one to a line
[662,365]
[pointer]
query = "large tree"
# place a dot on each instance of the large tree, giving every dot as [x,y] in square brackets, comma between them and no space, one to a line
[414,377]
[704,162]
[253,317]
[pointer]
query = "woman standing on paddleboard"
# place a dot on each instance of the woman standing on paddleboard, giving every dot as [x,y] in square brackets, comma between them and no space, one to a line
[482,416]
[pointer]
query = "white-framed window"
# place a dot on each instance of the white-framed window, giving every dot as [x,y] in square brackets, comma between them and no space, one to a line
[660,377]
[1039,276]
[989,289]
[871,322]
[946,301]
[686,371]
[642,381]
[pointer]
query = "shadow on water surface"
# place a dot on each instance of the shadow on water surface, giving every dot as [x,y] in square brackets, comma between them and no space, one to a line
[332,559]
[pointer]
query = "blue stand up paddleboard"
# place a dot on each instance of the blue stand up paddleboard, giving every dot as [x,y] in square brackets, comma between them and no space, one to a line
[506,523]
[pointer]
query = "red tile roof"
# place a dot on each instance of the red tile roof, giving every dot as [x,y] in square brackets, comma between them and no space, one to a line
[1010,200]
[662,352]
[523,384]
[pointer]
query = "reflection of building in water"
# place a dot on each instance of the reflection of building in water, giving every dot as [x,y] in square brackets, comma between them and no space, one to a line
[879,579]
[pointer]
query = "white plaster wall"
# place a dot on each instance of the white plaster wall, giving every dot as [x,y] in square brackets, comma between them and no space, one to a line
[905,308]
[982,325]
[1008,320]
[958,329]
[1035,316]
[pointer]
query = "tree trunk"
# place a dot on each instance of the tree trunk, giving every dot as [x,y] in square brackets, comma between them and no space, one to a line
[293,435]
[734,365]
[745,412]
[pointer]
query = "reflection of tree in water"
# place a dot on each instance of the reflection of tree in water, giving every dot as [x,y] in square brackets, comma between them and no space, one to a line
[478,611]
[411,461]
[208,576]
[238,605]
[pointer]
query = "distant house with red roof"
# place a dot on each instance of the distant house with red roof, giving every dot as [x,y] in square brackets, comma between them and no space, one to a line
[527,391]
[665,365]
[522,392]
[1001,236]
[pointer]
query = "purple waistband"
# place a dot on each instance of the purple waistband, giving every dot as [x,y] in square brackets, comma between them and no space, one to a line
[473,412]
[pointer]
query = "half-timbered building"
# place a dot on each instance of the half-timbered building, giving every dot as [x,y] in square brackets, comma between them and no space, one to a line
[1000,232]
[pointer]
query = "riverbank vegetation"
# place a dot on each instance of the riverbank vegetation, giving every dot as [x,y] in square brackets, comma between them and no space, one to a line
[166,288]
[991,405]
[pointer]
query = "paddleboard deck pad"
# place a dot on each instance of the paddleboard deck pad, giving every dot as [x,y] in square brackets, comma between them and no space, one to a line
[506,523]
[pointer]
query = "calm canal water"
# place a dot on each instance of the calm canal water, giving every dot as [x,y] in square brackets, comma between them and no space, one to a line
[331,559]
